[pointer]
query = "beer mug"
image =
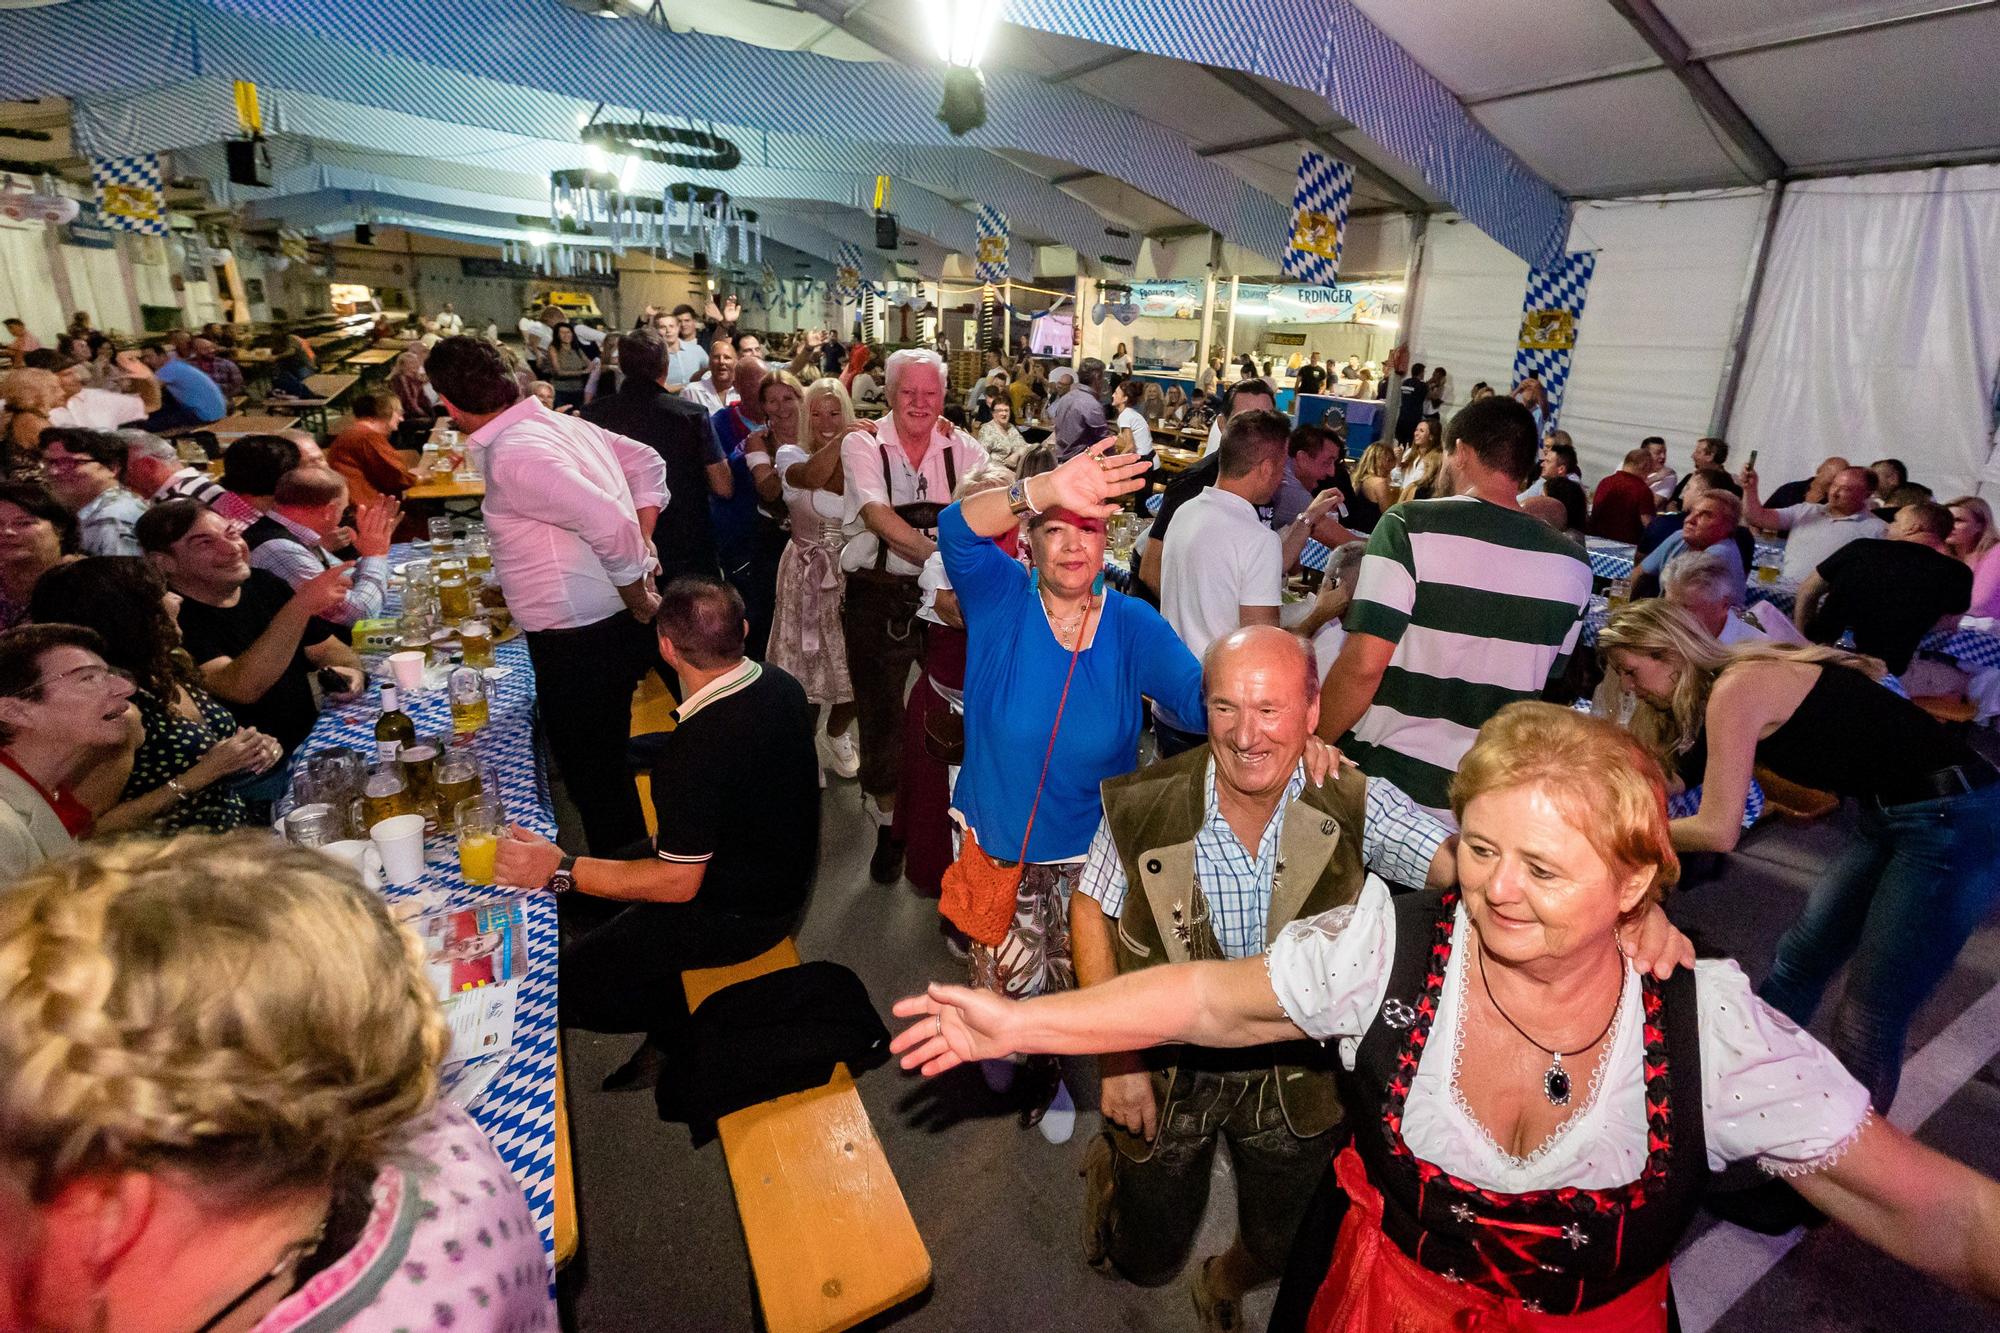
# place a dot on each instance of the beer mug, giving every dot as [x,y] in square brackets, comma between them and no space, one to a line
[385,794]
[475,643]
[469,710]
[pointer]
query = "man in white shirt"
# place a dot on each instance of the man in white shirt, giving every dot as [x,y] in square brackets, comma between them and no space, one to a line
[898,479]
[569,511]
[1246,395]
[535,335]
[106,409]
[716,389]
[448,324]
[1817,531]
[1221,566]
[1661,479]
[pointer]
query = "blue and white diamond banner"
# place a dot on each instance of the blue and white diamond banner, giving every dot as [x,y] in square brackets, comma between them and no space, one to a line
[990,264]
[1320,202]
[847,273]
[1549,315]
[131,194]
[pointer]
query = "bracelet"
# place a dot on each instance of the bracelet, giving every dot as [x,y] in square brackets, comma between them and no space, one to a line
[174,785]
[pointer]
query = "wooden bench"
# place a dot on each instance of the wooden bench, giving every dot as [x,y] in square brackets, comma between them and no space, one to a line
[1948,709]
[565,1229]
[831,1240]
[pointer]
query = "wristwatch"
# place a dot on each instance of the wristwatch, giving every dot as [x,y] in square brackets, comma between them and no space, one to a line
[1017,500]
[563,880]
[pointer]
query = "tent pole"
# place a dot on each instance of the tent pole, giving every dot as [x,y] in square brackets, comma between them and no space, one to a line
[1746,313]
[1207,305]
[1229,325]
[1406,327]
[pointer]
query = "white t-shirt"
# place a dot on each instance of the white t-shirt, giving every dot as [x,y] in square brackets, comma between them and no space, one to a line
[1219,557]
[99,409]
[1142,434]
[535,334]
[1812,534]
[1769,1092]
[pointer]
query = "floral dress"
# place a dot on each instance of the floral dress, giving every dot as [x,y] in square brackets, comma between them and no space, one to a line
[172,746]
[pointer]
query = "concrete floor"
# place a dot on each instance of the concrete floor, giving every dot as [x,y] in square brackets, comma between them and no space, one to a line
[999,1207]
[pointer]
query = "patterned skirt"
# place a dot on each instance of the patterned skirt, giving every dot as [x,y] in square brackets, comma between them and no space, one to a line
[1034,958]
[806,635]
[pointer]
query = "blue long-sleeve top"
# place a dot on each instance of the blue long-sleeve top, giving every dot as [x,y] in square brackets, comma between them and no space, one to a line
[1014,673]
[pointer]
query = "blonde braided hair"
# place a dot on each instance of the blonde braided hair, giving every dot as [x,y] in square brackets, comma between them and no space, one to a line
[228,1005]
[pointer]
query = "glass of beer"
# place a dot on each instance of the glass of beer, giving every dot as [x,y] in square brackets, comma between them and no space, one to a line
[458,779]
[475,643]
[481,824]
[478,553]
[454,596]
[314,825]
[1767,573]
[469,710]
[419,763]
[1618,594]
[385,795]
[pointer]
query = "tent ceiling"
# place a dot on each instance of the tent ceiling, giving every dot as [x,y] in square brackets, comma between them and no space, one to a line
[1827,82]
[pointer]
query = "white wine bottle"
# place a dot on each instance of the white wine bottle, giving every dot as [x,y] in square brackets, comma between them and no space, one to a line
[394,729]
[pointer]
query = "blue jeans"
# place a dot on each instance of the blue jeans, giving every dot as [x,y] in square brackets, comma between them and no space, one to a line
[1915,883]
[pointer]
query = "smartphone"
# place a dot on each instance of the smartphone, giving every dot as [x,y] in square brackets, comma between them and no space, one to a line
[1753,461]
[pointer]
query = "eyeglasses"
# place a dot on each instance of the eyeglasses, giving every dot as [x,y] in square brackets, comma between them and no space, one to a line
[89,674]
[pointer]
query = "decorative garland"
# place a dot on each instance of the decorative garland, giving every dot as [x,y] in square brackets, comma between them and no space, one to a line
[711,152]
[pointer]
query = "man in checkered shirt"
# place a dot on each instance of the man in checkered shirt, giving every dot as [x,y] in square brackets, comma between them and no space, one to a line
[1209,855]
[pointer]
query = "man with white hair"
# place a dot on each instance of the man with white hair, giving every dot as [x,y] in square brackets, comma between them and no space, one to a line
[1705,585]
[154,472]
[898,479]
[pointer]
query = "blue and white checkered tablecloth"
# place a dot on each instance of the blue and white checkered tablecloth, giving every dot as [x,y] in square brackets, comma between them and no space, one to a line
[1973,649]
[1689,801]
[517,1109]
[1609,559]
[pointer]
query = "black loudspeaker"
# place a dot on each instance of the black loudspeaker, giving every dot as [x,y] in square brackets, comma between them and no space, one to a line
[700,262]
[886,235]
[244,166]
[364,234]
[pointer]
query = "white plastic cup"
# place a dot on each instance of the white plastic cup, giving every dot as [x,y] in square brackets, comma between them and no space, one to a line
[408,669]
[400,841]
[360,854]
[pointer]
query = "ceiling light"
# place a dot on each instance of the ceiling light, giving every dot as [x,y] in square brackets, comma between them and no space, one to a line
[960,31]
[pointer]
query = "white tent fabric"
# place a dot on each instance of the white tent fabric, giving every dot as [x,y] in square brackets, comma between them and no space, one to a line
[1468,309]
[1878,331]
[1656,330]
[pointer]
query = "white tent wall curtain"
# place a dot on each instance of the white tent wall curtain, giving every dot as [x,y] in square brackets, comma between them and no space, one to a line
[27,284]
[1656,329]
[1468,309]
[1878,330]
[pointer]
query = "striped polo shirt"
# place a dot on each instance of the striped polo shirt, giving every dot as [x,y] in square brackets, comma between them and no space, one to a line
[1484,605]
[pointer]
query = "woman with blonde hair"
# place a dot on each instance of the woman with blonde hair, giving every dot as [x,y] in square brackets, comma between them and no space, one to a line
[1974,539]
[1534,1120]
[31,395]
[218,1106]
[1922,867]
[806,635]
[1374,493]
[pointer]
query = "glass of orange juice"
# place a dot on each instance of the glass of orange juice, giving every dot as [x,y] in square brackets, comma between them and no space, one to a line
[481,824]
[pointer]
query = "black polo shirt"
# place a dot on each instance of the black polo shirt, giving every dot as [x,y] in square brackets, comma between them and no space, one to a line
[287,711]
[679,431]
[1889,594]
[737,786]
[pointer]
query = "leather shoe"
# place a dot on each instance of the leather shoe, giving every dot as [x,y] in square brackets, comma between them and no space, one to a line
[886,866]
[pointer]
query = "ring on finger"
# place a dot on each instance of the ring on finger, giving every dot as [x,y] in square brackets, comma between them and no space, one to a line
[938,1018]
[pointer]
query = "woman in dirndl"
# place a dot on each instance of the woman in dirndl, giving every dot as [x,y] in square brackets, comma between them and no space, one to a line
[805,431]
[1534,1121]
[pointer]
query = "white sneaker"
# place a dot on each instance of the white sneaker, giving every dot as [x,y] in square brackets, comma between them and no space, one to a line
[838,753]
[1059,1121]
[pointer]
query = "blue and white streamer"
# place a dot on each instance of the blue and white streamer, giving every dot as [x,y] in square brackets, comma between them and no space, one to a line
[990,263]
[1550,314]
[1320,200]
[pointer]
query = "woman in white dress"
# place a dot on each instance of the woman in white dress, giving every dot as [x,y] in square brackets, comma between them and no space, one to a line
[806,636]
[1534,1122]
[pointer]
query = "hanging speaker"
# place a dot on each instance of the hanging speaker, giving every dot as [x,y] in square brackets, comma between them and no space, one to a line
[364,234]
[244,165]
[886,235]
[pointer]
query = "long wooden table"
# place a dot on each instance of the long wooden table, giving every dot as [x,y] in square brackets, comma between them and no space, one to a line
[446,488]
[373,356]
[331,387]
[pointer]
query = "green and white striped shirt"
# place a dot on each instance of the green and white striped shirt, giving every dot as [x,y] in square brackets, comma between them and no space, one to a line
[1484,605]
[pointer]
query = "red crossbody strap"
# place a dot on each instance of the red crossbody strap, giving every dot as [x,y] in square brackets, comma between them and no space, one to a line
[1082,633]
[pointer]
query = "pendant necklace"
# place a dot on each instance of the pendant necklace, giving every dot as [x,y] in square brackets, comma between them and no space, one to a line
[1555,1082]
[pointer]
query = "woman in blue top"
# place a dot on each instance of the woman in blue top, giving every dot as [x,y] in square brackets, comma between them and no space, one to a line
[1022,627]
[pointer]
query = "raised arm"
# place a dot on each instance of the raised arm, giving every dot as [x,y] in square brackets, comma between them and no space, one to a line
[1915,1204]
[245,678]
[1754,512]
[1204,1004]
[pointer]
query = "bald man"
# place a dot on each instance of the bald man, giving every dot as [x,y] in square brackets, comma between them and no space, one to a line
[1817,530]
[1184,866]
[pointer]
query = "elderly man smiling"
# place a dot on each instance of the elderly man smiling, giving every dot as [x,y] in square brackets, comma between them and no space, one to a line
[898,479]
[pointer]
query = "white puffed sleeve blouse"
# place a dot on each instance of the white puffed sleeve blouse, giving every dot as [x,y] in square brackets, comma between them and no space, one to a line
[1769,1091]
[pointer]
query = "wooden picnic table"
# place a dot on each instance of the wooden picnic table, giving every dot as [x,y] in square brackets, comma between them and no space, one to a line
[446,488]
[1175,460]
[373,356]
[245,423]
[330,387]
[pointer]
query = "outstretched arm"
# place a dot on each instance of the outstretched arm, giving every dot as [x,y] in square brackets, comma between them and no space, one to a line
[1918,1205]
[1205,1004]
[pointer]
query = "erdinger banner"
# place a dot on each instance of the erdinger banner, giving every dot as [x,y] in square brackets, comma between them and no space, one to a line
[1550,313]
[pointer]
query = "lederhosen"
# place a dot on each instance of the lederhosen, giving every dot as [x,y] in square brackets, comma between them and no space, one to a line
[1565,1251]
